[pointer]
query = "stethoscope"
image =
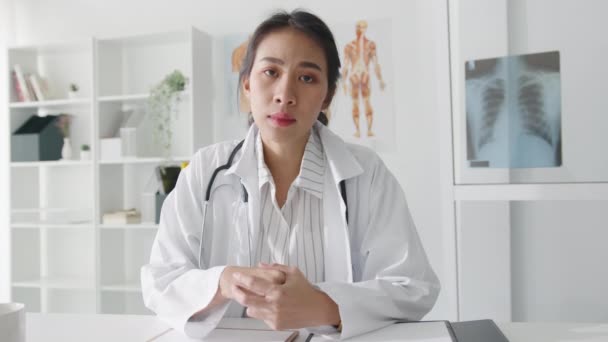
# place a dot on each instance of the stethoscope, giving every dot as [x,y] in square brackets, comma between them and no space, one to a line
[245,197]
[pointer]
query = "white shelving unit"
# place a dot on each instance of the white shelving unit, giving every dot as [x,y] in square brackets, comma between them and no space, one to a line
[63,258]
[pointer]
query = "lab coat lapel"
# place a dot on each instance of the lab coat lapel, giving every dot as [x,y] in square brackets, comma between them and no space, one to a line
[245,167]
[340,165]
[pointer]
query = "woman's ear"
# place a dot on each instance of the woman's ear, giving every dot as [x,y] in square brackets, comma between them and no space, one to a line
[245,87]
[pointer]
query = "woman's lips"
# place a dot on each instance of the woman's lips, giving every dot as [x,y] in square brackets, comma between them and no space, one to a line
[281,119]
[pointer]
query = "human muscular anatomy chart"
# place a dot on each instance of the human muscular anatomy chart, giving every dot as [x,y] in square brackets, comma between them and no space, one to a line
[363,108]
[513,107]
[357,57]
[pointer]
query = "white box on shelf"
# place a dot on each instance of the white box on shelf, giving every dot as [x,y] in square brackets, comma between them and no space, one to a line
[110,149]
[128,137]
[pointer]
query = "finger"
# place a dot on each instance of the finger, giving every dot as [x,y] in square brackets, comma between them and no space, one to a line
[258,313]
[274,296]
[246,298]
[274,276]
[257,285]
[283,268]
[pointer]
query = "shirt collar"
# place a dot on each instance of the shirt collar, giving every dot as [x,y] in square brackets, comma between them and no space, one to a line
[339,160]
[310,178]
[312,169]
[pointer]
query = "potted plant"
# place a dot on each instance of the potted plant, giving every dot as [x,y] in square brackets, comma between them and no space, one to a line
[163,105]
[73,91]
[85,152]
[63,123]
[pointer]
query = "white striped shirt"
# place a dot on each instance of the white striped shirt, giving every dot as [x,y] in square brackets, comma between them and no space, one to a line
[292,235]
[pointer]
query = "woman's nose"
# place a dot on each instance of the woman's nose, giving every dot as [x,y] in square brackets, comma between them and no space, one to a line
[285,93]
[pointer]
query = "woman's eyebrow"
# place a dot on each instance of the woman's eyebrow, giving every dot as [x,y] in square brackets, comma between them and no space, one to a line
[279,61]
[272,60]
[310,65]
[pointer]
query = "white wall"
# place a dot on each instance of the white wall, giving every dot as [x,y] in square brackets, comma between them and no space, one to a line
[552,239]
[420,57]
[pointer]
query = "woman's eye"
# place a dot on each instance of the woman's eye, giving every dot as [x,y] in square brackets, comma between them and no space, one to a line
[270,73]
[306,78]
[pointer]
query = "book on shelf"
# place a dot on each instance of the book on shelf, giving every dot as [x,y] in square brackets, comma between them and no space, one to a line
[21,85]
[38,87]
[18,91]
[30,88]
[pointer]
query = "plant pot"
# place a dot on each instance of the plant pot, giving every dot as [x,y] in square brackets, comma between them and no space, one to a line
[169,176]
[160,199]
[85,155]
[72,94]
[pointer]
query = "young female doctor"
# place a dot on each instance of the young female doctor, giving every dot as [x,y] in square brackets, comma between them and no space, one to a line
[291,226]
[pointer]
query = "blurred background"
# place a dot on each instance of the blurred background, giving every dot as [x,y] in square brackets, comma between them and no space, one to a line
[490,115]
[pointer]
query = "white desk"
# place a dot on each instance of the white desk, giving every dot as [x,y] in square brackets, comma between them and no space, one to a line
[118,328]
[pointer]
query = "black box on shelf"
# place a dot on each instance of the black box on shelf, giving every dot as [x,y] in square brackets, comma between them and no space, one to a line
[37,139]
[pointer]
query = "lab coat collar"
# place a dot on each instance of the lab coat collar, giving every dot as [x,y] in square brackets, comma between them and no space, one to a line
[340,160]
[245,166]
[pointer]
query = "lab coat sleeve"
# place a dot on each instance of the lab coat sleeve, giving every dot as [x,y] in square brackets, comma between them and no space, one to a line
[172,284]
[395,280]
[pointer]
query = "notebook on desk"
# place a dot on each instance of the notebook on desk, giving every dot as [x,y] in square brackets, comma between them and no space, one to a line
[431,331]
[436,331]
[231,335]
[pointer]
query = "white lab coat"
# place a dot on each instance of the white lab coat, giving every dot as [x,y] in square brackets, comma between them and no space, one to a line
[375,268]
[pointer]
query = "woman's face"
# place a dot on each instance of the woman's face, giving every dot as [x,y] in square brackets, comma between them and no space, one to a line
[287,87]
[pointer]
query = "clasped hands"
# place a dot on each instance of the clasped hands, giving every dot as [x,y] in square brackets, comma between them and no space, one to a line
[279,295]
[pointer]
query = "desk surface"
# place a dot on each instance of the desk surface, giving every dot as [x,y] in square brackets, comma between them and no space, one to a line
[104,328]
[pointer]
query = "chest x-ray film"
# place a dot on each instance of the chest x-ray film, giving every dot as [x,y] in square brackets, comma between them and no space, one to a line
[513,107]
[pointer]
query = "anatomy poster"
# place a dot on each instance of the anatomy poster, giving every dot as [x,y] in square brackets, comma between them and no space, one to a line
[362,110]
[513,107]
[235,48]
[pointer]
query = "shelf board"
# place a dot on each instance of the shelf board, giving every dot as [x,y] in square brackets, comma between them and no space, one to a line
[26,283]
[51,103]
[131,287]
[532,192]
[73,47]
[57,283]
[22,225]
[52,163]
[121,98]
[138,160]
[129,226]
[49,210]
[132,97]
[171,37]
